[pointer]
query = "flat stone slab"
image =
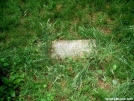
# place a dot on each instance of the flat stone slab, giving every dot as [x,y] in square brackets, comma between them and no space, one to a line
[62,49]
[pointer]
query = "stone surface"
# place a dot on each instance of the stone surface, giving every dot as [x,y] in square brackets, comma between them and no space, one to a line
[71,48]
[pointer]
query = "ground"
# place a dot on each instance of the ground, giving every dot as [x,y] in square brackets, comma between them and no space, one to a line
[27,29]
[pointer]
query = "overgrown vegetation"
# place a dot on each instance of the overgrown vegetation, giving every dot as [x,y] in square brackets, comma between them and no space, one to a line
[27,28]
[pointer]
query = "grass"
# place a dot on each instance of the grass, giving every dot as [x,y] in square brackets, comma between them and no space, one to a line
[27,29]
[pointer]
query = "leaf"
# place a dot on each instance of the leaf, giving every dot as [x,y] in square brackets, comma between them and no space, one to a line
[104,79]
[2,90]
[44,85]
[44,100]
[12,78]
[22,75]
[5,64]
[114,67]
[99,71]
[8,98]
[12,93]
[115,81]
[2,59]
[112,71]
[17,81]
[5,80]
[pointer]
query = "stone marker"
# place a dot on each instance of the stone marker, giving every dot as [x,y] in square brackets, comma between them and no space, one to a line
[62,49]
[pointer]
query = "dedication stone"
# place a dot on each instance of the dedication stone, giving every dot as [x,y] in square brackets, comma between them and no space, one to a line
[71,48]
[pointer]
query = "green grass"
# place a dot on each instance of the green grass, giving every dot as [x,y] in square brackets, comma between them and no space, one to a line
[27,28]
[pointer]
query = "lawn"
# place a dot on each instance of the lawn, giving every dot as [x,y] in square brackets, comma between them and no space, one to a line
[27,29]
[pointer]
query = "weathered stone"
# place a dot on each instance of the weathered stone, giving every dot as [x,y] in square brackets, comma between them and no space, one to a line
[71,48]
